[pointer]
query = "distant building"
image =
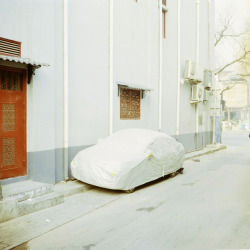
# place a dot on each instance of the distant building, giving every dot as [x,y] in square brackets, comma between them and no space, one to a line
[237,102]
[237,97]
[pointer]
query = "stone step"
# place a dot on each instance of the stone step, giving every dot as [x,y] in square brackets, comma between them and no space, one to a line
[39,203]
[71,187]
[28,196]
[10,208]
[25,190]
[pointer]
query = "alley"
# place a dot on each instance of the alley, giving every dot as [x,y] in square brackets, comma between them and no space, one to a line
[206,207]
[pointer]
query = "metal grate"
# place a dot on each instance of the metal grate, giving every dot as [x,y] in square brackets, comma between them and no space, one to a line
[8,151]
[9,47]
[8,117]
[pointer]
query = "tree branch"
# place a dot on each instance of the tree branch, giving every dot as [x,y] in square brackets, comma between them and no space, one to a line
[235,61]
[227,88]
[219,35]
[244,75]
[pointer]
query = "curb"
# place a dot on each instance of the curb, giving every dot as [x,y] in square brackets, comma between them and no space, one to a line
[209,151]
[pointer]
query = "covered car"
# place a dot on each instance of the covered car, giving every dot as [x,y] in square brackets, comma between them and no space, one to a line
[127,159]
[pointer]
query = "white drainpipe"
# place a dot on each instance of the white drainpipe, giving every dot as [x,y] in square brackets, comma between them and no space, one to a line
[209,32]
[197,61]
[214,120]
[111,86]
[65,90]
[197,29]
[160,68]
[209,63]
[178,74]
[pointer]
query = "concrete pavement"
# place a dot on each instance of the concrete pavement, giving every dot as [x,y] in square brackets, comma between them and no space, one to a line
[206,207]
[26,197]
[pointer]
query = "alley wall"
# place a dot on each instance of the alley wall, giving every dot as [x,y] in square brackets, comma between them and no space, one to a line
[136,57]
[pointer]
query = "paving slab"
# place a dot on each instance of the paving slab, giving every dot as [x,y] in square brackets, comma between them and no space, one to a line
[27,227]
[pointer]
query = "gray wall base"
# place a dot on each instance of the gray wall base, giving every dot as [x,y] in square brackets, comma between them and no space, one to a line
[47,166]
[189,140]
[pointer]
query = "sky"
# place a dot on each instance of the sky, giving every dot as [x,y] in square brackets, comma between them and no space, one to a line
[239,10]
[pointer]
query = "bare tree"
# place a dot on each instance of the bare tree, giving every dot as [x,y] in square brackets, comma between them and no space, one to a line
[240,45]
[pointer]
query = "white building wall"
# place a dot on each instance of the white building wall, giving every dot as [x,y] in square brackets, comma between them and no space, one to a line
[188,51]
[136,57]
[39,26]
[88,71]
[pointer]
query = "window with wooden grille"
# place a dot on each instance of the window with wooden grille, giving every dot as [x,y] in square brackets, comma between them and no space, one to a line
[130,101]
[10,80]
[10,47]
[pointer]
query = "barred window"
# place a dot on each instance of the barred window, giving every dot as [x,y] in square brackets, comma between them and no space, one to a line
[10,80]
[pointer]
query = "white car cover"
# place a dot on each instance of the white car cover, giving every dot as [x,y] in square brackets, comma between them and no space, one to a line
[127,159]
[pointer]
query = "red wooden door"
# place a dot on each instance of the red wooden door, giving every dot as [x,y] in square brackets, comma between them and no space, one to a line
[12,123]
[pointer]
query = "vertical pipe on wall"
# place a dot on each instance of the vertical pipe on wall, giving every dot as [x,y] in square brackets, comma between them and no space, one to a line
[197,61]
[214,115]
[65,90]
[209,55]
[30,28]
[209,33]
[30,120]
[111,87]
[209,61]
[160,69]
[197,30]
[178,73]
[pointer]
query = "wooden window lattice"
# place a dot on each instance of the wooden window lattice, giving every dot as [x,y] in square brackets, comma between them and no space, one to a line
[8,114]
[130,101]
[8,151]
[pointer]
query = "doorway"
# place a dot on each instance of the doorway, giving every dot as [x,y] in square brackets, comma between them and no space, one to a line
[12,123]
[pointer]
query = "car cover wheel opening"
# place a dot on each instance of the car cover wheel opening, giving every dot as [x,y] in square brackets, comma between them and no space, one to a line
[180,171]
[130,191]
